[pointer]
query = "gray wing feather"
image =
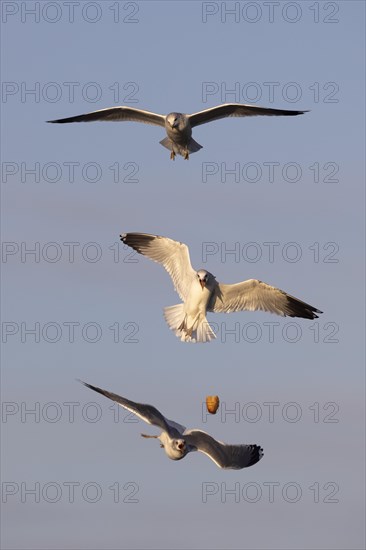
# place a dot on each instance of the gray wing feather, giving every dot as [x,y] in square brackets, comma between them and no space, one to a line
[233,457]
[173,255]
[175,426]
[253,295]
[148,413]
[116,114]
[236,110]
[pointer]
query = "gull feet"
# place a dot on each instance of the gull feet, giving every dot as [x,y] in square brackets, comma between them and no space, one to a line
[186,155]
[172,155]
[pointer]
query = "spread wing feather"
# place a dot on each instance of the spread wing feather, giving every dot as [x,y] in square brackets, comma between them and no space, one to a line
[236,110]
[116,114]
[147,413]
[173,255]
[233,457]
[255,295]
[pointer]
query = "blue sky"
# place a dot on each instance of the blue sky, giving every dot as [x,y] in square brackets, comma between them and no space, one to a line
[164,57]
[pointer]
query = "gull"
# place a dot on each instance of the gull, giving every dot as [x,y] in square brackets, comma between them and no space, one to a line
[200,292]
[178,126]
[177,441]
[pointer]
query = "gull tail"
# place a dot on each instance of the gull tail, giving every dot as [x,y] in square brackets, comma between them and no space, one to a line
[193,146]
[166,142]
[199,331]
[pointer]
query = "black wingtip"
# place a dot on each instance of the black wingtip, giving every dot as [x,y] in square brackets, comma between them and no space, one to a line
[85,383]
[66,120]
[298,308]
[91,387]
[137,240]
[54,121]
[257,454]
[315,311]
[295,113]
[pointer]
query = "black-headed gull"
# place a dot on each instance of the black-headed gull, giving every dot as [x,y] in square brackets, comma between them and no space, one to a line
[178,126]
[177,441]
[200,292]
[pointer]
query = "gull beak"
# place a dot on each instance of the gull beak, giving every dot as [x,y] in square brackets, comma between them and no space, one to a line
[202,283]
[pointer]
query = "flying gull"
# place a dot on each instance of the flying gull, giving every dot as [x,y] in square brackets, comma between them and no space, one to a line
[178,126]
[177,441]
[200,292]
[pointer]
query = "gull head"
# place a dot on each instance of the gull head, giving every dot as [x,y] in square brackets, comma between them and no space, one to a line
[177,449]
[175,120]
[205,278]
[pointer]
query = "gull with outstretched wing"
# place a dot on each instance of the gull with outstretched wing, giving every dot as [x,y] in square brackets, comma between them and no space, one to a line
[178,126]
[200,292]
[177,441]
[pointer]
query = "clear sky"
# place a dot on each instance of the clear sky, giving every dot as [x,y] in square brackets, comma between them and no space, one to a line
[292,209]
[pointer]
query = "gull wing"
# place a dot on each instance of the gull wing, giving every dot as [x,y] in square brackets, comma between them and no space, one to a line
[236,110]
[175,426]
[116,114]
[173,255]
[253,295]
[225,456]
[147,413]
